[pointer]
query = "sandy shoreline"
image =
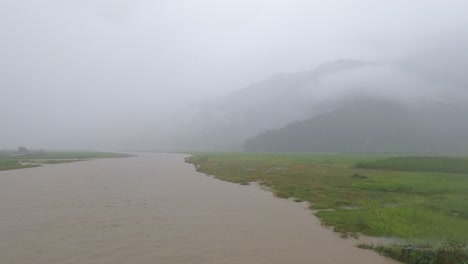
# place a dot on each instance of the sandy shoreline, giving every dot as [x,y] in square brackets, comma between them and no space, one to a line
[155,209]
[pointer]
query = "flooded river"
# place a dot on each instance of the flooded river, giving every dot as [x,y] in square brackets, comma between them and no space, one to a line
[155,208]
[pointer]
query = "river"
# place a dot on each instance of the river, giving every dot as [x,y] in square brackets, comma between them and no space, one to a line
[155,208]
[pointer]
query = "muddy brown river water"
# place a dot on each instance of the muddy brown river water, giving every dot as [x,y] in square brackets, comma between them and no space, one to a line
[155,208]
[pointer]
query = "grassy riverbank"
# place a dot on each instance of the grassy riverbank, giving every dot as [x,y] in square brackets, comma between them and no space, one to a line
[11,162]
[421,200]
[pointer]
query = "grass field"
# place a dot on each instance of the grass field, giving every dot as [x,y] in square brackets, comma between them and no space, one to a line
[11,164]
[34,160]
[430,164]
[422,200]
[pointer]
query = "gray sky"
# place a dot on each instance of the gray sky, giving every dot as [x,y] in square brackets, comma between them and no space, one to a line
[74,69]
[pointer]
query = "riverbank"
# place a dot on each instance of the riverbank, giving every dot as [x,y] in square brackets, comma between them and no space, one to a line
[426,208]
[24,161]
[155,208]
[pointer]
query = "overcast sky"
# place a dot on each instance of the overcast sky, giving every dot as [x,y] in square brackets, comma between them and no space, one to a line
[71,67]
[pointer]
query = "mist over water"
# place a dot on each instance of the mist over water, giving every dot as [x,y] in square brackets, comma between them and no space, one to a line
[173,75]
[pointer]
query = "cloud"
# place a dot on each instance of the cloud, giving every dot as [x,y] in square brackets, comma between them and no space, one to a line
[70,66]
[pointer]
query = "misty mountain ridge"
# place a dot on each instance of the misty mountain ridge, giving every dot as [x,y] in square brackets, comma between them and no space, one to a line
[373,125]
[154,76]
[225,123]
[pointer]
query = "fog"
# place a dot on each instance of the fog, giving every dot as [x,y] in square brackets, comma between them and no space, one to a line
[120,74]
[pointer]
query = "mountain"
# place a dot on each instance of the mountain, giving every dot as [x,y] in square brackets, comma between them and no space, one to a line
[225,123]
[373,125]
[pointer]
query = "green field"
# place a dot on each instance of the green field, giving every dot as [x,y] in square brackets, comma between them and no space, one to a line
[11,164]
[415,163]
[8,162]
[421,200]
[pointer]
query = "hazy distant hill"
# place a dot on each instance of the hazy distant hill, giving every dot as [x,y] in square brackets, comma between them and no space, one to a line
[373,125]
[225,123]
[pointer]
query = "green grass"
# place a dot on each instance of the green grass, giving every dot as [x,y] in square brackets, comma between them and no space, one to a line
[13,165]
[57,161]
[450,252]
[420,206]
[68,155]
[423,200]
[35,160]
[434,164]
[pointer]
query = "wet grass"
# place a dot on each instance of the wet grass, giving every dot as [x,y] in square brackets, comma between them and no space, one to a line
[14,165]
[450,252]
[431,164]
[57,161]
[68,155]
[420,206]
[35,160]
